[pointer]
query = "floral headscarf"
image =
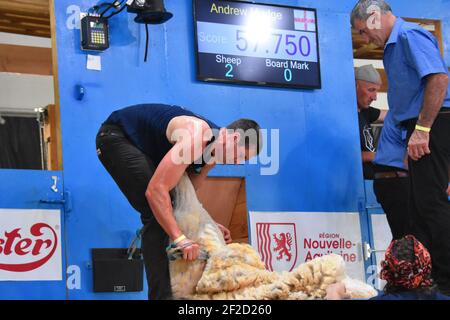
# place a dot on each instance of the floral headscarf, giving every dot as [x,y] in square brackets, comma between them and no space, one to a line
[407,274]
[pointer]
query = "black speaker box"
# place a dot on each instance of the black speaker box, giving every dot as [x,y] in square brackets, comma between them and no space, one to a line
[114,272]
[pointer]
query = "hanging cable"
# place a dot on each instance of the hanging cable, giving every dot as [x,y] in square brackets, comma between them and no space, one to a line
[146,42]
[97,7]
[114,4]
[117,12]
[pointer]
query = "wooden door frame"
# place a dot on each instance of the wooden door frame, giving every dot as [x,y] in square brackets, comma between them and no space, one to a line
[57,113]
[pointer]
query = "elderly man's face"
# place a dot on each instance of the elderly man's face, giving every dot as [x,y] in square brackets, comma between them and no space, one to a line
[366,93]
[371,33]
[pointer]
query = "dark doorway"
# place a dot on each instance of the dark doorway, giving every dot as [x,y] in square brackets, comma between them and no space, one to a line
[20,143]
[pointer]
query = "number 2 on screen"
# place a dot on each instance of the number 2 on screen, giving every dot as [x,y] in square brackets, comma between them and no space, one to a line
[230,69]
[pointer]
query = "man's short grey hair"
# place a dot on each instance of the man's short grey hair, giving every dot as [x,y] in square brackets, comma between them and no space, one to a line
[361,10]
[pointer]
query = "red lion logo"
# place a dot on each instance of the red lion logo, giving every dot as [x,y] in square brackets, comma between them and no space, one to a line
[284,244]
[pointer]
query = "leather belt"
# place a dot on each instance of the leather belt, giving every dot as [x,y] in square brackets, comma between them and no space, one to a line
[391,174]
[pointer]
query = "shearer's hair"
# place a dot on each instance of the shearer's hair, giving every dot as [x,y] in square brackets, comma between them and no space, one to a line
[250,132]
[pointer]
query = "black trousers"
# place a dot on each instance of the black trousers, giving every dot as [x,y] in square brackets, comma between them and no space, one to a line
[430,208]
[393,195]
[132,170]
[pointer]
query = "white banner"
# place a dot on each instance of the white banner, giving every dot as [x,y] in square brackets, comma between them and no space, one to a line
[287,239]
[30,245]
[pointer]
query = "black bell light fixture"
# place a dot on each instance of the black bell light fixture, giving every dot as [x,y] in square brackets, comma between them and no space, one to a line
[149,11]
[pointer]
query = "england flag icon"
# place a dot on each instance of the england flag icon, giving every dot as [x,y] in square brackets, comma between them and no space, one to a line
[305,20]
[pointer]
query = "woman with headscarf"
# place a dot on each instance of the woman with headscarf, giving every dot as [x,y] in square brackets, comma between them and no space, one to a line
[407,270]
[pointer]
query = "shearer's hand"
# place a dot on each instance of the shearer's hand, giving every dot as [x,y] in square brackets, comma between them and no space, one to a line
[190,249]
[226,233]
[418,145]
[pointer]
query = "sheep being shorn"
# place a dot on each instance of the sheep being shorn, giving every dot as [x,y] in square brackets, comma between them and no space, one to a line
[235,271]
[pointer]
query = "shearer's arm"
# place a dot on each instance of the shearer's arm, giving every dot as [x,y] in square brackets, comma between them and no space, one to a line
[166,177]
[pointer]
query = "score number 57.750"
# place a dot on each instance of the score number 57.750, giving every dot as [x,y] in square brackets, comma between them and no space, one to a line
[290,43]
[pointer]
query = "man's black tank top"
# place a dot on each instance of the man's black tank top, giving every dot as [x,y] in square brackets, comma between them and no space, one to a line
[145,126]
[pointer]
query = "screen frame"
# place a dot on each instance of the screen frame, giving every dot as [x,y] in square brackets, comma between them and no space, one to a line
[257,83]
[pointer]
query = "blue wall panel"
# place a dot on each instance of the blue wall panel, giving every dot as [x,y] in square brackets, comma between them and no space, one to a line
[319,146]
[23,189]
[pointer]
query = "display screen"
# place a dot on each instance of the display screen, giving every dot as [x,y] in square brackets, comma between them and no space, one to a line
[260,44]
[97,25]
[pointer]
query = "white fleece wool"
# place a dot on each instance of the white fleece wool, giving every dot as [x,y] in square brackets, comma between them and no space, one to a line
[236,271]
[358,289]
